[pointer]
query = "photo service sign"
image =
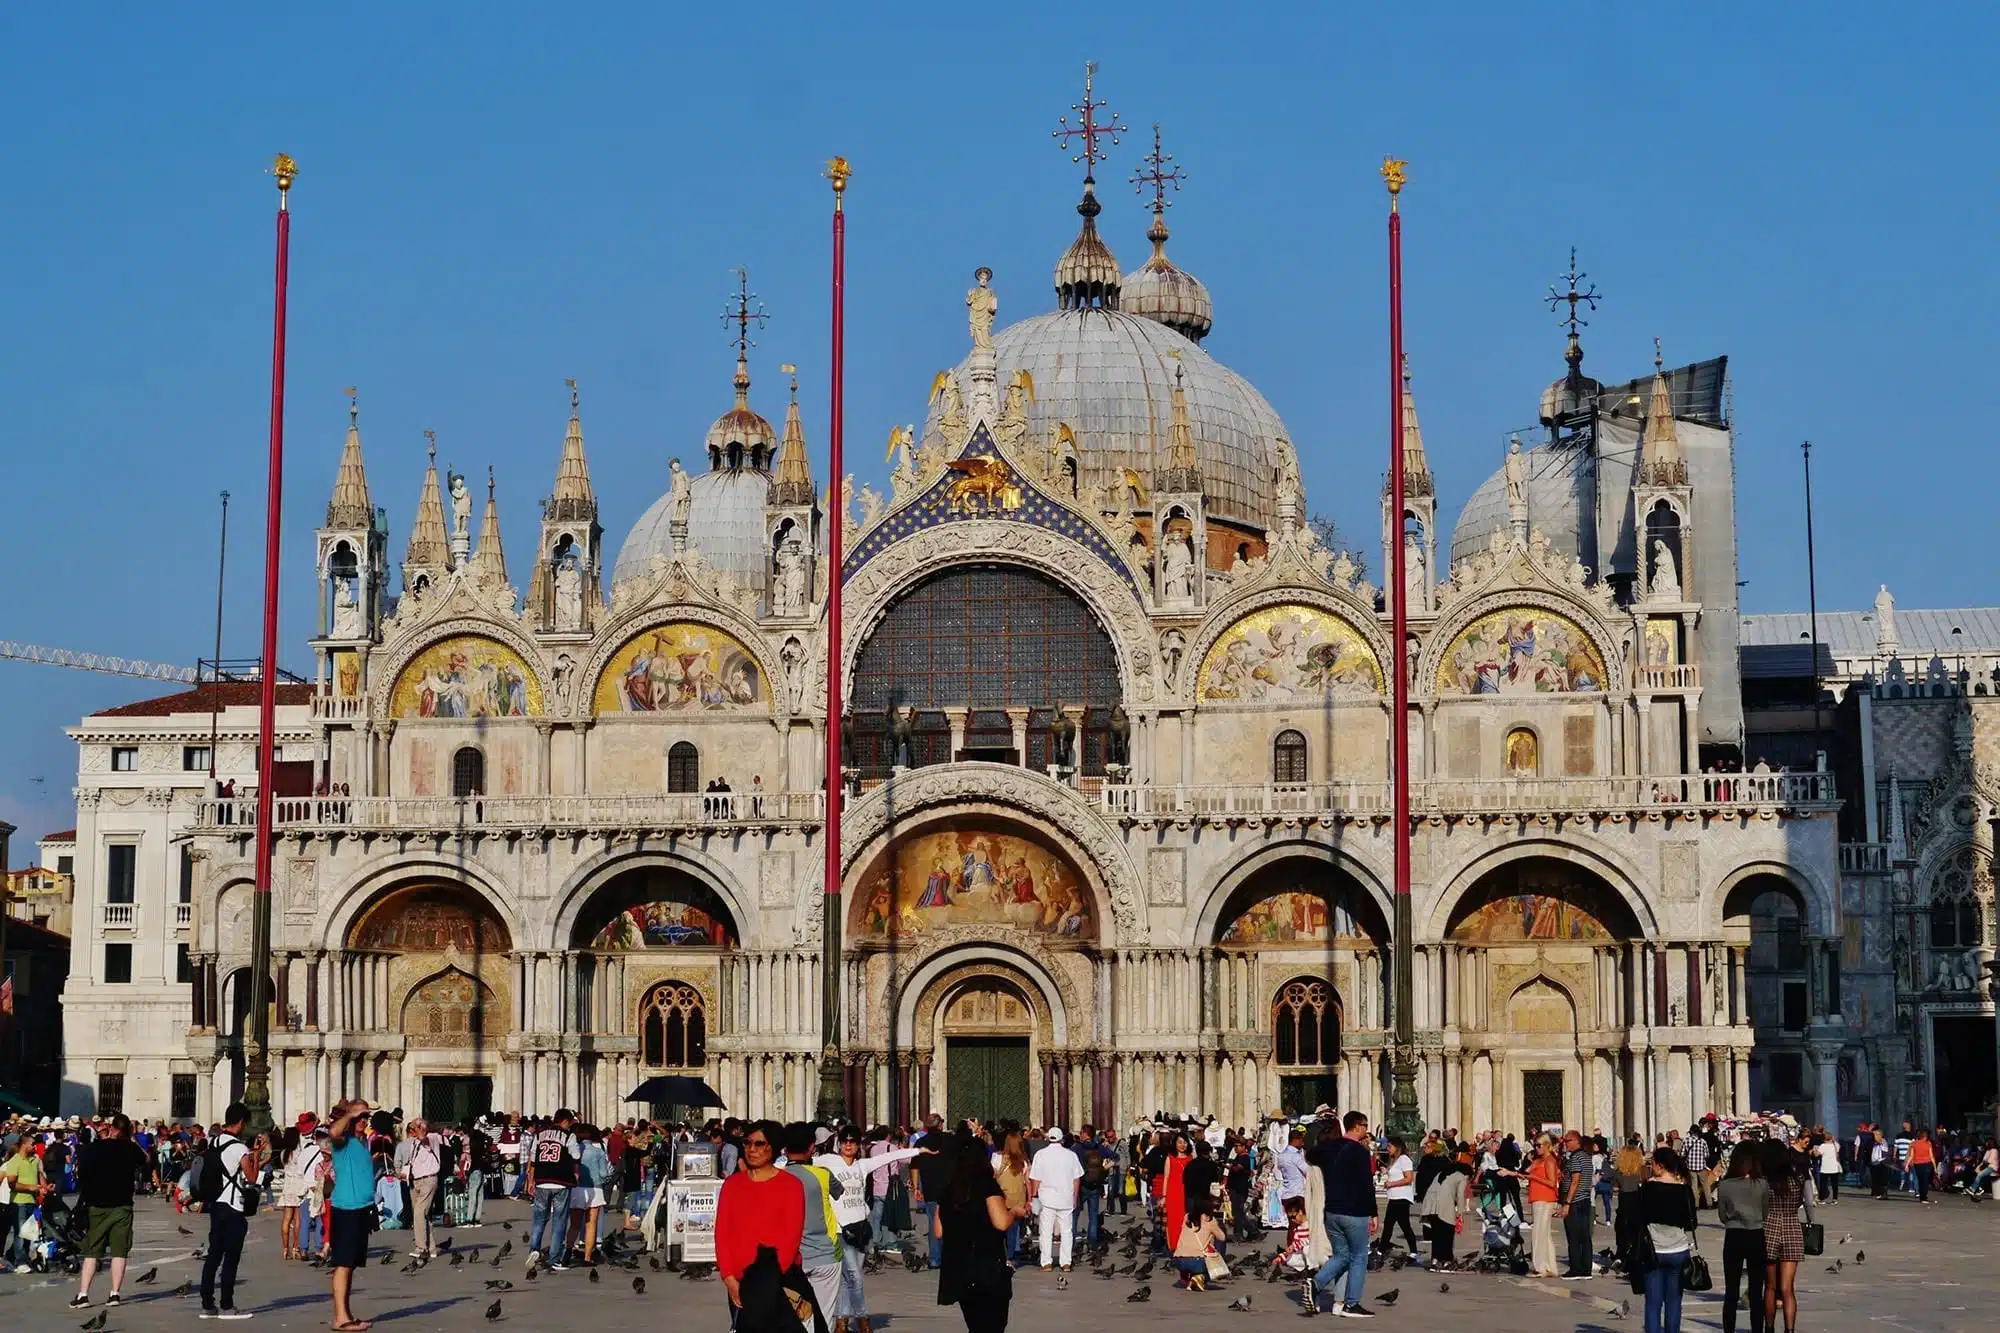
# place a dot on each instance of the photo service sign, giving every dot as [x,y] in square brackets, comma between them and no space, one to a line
[691,1218]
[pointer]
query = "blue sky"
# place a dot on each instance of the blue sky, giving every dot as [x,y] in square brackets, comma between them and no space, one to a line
[496,197]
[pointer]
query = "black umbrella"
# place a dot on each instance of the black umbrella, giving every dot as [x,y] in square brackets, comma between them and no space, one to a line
[675,1090]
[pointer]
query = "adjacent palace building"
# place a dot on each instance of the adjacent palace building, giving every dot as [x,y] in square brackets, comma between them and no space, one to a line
[1119,834]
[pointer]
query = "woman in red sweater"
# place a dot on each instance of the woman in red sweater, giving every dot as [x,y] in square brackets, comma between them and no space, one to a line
[761,1208]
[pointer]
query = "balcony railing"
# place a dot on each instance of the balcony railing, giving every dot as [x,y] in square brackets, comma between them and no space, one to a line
[1504,796]
[183,915]
[518,814]
[1685,676]
[1864,858]
[338,709]
[120,916]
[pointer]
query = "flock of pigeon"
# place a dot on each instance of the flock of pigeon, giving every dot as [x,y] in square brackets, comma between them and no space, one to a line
[617,1253]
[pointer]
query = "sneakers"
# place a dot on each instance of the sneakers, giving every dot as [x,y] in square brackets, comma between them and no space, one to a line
[233,1313]
[209,1312]
[1308,1298]
[1355,1310]
[558,1268]
[79,1302]
[113,1301]
[534,1257]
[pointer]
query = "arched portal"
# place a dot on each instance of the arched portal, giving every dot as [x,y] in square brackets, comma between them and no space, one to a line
[985,639]
[985,1031]
[432,962]
[1534,961]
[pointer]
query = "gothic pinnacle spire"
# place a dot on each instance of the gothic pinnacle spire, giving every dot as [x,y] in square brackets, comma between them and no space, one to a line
[489,561]
[1661,462]
[793,484]
[430,540]
[1416,468]
[1181,456]
[350,506]
[573,497]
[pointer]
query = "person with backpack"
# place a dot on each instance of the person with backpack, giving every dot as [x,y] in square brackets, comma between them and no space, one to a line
[1089,1219]
[551,1156]
[224,1188]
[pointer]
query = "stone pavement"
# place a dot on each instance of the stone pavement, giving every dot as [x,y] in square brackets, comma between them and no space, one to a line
[1925,1269]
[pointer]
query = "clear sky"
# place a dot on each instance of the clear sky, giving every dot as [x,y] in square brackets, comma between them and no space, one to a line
[495,197]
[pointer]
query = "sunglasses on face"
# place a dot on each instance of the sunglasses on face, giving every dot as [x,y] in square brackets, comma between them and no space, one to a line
[756,1143]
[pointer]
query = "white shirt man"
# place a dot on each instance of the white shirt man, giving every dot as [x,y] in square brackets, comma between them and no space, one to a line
[1052,1179]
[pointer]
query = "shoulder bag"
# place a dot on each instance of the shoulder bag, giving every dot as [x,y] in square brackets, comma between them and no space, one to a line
[1815,1237]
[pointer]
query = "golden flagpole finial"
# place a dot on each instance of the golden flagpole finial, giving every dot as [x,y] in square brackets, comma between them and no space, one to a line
[1394,174]
[286,170]
[837,171]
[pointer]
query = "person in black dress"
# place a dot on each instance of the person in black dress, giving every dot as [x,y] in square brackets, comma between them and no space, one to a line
[974,1218]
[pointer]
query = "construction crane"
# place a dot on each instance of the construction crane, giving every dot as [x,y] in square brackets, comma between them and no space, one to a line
[111,666]
[229,669]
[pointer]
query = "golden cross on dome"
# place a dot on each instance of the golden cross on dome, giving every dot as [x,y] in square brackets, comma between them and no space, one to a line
[1155,172]
[743,316]
[1088,127]
[1575,298]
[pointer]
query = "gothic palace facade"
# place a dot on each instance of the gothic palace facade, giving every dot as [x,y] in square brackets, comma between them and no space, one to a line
[1119,726]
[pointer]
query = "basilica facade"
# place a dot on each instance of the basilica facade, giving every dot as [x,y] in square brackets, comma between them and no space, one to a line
[1117,835]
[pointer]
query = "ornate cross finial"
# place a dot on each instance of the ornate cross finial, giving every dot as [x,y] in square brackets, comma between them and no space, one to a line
[575,398]
[353,404]
[489,481]
[1573,297]
[743,316]
[1658,363]
[1155,172]
[432,436]
[1088,127]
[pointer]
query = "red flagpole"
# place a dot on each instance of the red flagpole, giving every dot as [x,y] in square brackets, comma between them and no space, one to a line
[1404,1116]
[831,1090]
[257,1063]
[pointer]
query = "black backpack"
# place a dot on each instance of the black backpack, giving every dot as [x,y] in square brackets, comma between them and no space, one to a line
[1093,1167]
[209,1178]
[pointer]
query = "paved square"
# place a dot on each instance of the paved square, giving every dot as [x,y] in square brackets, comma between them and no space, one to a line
[1925,1268]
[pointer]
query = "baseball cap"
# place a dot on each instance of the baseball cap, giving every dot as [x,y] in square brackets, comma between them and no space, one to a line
[1055,1135]
[306,1121]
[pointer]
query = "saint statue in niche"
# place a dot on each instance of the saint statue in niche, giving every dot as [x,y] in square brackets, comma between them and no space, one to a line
[1666,574]
[348,621]
[1177,568]
[569,592]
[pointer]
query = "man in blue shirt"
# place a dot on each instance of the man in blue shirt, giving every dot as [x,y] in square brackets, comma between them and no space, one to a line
[1349,1170]
[352,1206]
[1291,1163]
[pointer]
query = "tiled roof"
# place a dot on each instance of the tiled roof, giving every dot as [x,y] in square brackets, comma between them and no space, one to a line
[207,697]
[65,835]
[23,935]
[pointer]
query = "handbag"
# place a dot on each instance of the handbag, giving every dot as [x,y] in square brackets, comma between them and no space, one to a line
[857,1234]
[1694,1273]
[1218,1267]
[1131,1185]
[1815,1237]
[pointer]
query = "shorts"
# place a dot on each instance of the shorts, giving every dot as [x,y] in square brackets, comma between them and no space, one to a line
[586,1196]
[108,1234]
[347,1235]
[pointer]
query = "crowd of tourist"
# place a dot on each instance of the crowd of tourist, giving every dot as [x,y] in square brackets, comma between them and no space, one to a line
[807,1211]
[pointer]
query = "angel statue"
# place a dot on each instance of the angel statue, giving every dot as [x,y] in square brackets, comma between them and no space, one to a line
[1061,471]
[950,407]
[1012,427]
[902,438]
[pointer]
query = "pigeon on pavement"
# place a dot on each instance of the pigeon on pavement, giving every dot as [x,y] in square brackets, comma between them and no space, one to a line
[1444,1286]
[1389,1297]
[593,1275]
[94,1324]
[1240,1303]
[147,1276]
[639,1286]
[493,1310]
[1140,1297]
[1860,1256]
[1620,1310]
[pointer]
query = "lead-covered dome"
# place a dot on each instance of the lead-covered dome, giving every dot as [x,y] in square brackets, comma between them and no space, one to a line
[725,522]
[1109,375]
[1562,491]
[1160,289]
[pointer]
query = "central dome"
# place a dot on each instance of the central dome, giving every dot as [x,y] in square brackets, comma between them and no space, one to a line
[1109,374]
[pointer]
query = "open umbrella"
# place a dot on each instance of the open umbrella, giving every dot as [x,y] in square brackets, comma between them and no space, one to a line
[675,1090]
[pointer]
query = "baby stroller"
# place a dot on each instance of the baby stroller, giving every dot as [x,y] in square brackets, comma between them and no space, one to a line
[60,1244]
[1500,1247]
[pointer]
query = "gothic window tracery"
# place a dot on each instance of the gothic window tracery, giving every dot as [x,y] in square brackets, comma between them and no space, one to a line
[1954,903]
[450,1009]
[673,1027]
[1305,1024]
